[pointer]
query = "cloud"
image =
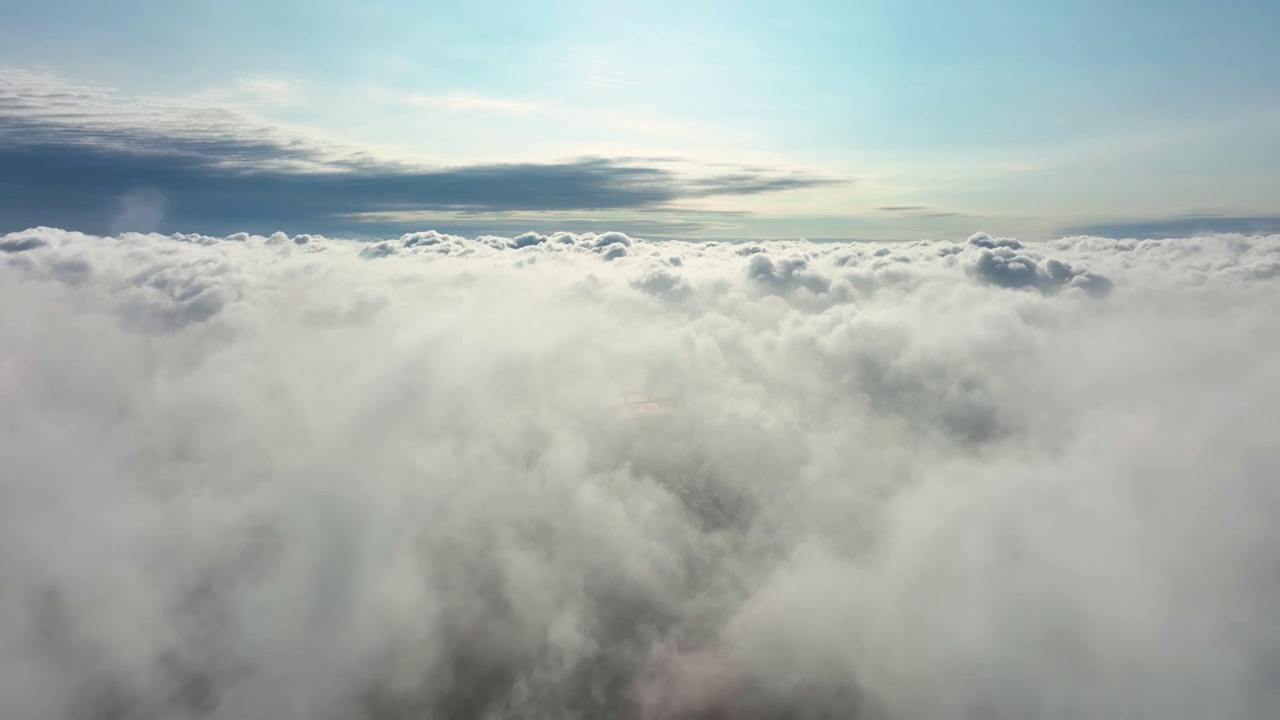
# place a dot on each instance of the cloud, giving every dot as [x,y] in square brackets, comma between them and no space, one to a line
[274,476]
[528,239]
[663,282]
[918,211]
[476,103]
[68,155]
[271,91]
[786,276]
[1005,262]
[140,210]
[1181,226]
[20,243]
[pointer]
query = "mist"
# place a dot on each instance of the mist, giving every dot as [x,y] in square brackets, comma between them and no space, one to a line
[591,476]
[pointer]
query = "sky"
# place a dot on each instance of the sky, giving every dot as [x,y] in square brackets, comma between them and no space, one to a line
[891,120]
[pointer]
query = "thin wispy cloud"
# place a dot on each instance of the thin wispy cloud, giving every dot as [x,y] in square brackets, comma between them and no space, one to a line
[920,211]
[270,91]
[478,103]
[1179,226]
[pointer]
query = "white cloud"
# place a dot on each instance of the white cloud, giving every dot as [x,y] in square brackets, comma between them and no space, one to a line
[310,477]
[271,91]
[478,103]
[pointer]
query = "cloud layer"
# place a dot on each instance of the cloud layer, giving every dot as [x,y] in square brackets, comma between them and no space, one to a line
[1184,226]
[582,476]
[76,156]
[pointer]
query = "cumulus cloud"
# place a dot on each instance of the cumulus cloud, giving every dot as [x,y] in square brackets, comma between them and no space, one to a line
[789,274]
[662,282]
[528,239]
[1005,262]
[305,477]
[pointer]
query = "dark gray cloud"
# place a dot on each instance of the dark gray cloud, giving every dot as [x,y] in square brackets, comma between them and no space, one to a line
[20,244]
[83,185]
[1181,226]
[1005,262]
[527,239]
[78,160]
[786,275]
[918,211]
[663,282]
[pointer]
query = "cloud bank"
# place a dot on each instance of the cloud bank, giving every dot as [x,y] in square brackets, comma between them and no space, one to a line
[583,476]
[1183,226]
[73,155]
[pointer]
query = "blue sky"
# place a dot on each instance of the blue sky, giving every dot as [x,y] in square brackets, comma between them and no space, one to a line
[750,119]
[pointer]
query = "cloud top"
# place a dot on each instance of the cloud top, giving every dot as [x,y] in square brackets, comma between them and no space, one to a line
[303,476]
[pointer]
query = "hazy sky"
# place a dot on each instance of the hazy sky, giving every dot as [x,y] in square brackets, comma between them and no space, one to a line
[717,118]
